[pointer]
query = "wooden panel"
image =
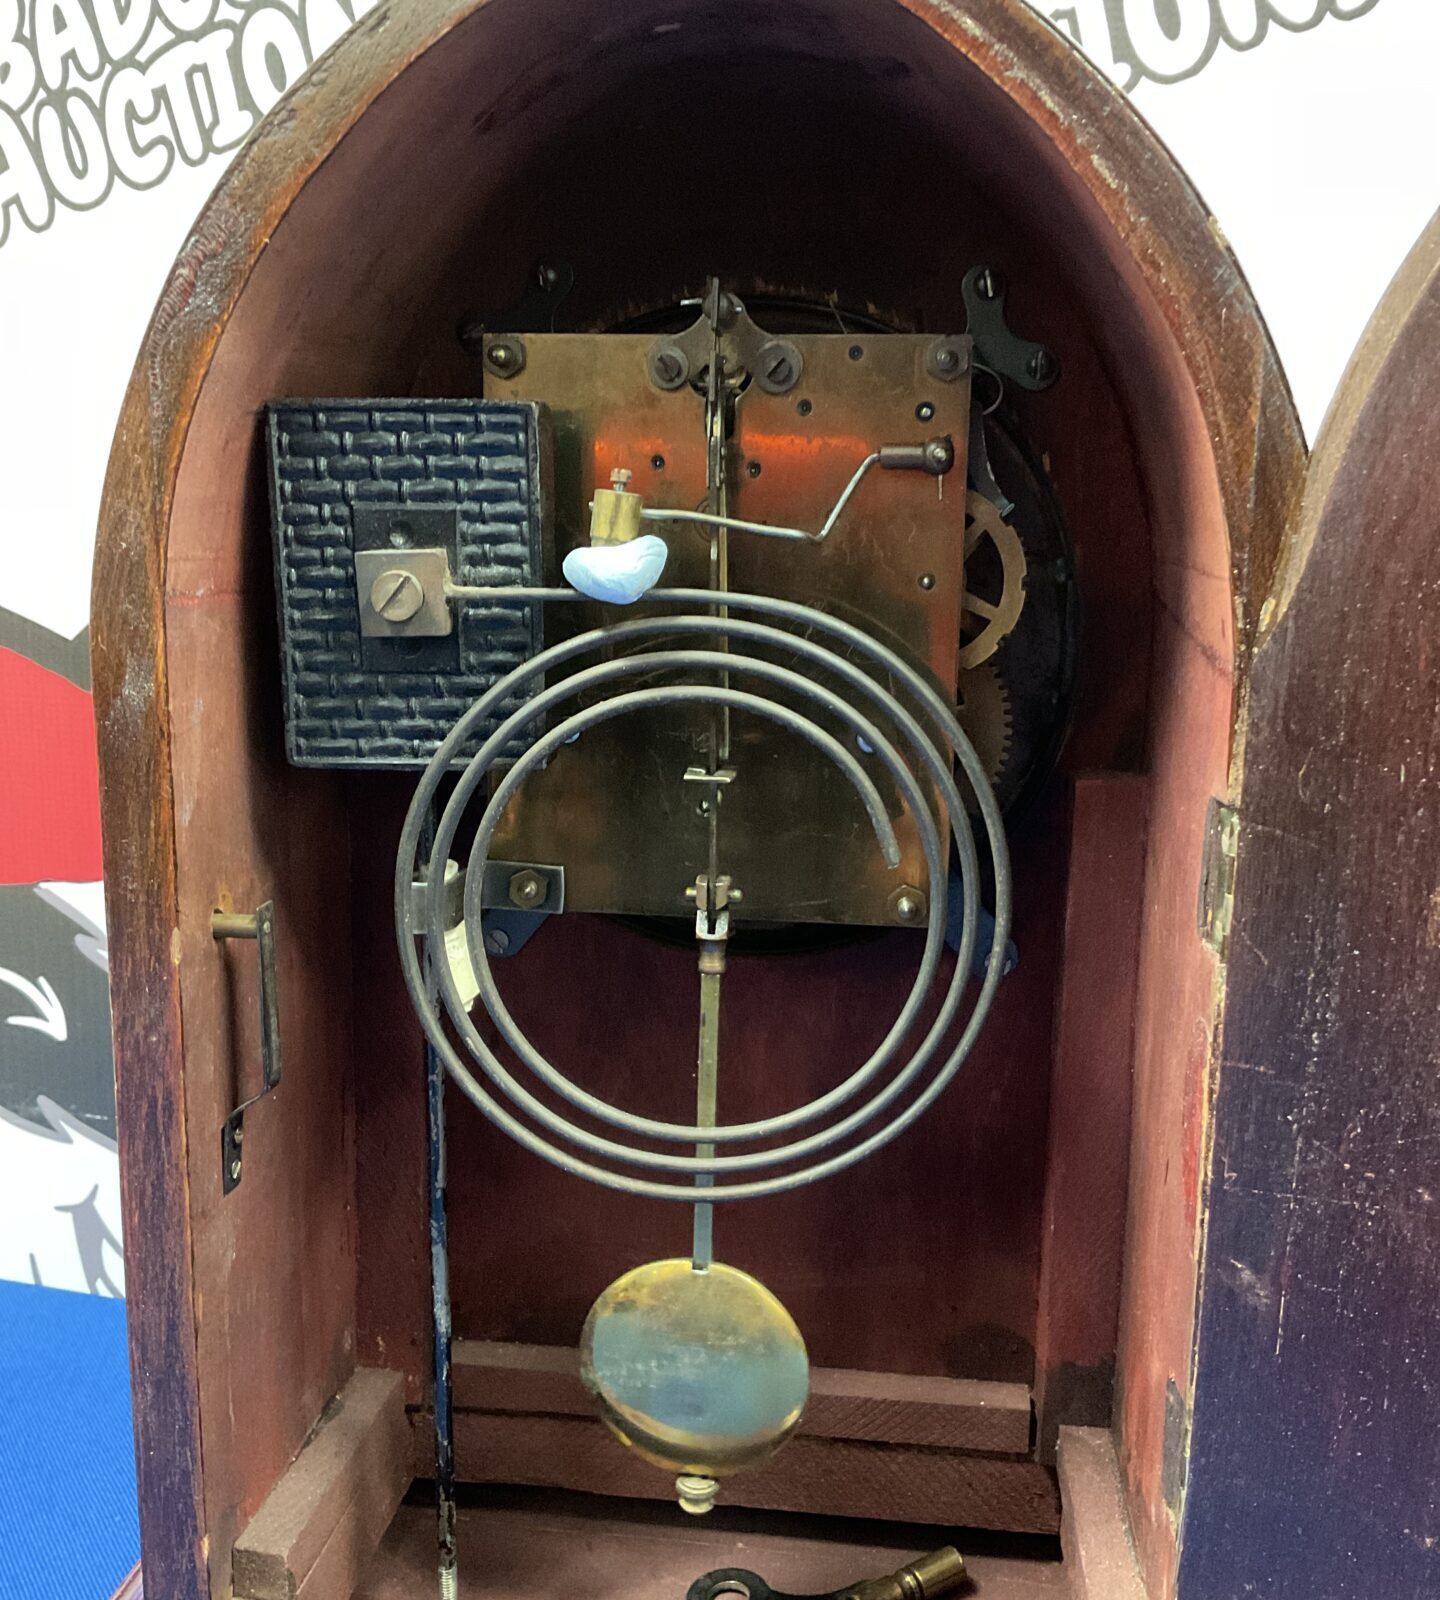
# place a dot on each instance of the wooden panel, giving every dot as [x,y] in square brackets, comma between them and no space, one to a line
[1094,1530]
[1083,1229]
[883,1407]
[325,1516]
[836,1477]
[275,1258]
[1315,1450]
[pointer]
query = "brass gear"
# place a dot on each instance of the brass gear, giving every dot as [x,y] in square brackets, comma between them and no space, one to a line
[996,617]
[983,710]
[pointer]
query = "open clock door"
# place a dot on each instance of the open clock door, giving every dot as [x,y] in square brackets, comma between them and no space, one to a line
[1314,1453]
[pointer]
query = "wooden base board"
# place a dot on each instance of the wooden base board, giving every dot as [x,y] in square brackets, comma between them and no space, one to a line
[922,1450]
[542,1546]
[882,1407]
[323,1519]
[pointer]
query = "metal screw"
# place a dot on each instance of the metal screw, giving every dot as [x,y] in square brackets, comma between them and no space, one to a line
[619,477]
[753,469]
[234,1171]
[939,455]
[396,595]
[805,407]
[239,1134]
[669,367]
[947,360]
[497,941]
[927,580]
[657,461]
[1041,366]
[924,411]
[908,904]
[526,889]
[856,351]
[505,357]
[987,285]
[778,366]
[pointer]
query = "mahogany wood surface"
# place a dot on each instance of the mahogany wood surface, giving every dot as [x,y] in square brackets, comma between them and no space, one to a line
[833,1477]
[1314,1463]
[1083,1224]
[323,1519]
[1099,1554]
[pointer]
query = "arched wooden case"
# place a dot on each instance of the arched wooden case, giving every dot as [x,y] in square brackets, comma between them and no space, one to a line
[1137,1226]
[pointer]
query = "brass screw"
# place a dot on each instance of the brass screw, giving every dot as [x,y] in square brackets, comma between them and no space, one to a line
[396,595]
[527,889]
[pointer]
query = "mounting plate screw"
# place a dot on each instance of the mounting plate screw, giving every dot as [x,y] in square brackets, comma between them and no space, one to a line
[527,889]
[987,284]
[235,1170]
[669,366]
[505,357]
[947,359]
[396,595]
[778,366]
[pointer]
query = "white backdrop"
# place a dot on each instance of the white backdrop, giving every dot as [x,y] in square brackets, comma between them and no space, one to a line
[1309,125]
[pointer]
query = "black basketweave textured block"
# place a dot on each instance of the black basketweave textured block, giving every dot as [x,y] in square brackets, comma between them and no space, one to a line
[354,474]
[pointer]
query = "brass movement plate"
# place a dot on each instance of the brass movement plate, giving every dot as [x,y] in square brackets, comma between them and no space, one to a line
[615,806]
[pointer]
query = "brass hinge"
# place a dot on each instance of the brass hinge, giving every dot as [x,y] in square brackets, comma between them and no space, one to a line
[1217,876]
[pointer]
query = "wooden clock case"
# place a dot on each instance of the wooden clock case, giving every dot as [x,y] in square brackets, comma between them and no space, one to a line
[1102,1245]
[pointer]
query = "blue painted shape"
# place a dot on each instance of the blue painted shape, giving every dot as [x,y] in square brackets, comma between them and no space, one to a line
[507,932]
[68,1520]
[984,934]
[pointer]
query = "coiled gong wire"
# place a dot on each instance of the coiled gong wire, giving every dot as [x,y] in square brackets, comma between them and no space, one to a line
[732,1172]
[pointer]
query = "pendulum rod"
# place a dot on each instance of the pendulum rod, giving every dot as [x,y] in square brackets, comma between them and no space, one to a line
[712,919]
[712,929]
[447,1569]
[706,1075]
[717,502]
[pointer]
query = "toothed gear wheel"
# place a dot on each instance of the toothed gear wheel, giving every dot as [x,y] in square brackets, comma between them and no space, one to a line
[994,583]
[983,708]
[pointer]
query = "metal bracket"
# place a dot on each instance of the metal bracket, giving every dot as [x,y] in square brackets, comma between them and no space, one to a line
[402,594]
[259,926]
[1217,876]
[1021,361]
[522,886]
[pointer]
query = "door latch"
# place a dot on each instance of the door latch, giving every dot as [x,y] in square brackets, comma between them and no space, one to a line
[259,925]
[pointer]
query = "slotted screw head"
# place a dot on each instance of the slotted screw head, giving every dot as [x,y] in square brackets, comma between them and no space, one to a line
[668,366]
[396,595]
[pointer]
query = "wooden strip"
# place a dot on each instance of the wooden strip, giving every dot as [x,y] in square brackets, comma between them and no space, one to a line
[1094,1530]
[1082,1245]
[833,1477]
[879,1407]
[328,1512]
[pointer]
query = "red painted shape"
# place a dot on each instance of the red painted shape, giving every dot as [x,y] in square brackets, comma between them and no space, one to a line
[49,779]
